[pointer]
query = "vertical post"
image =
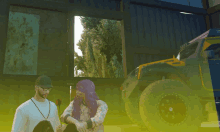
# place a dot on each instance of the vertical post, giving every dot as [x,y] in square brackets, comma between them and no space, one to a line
[4,16]
[70,93]
[67,63]
[205,4]
[128,54]
[70,43]
[207,17]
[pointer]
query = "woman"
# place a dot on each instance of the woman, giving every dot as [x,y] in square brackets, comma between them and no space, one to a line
[86,111]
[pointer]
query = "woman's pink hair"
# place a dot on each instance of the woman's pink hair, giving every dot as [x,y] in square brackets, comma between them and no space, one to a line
[86,86]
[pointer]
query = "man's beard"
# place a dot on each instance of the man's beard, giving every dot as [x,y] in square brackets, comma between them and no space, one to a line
[41,95]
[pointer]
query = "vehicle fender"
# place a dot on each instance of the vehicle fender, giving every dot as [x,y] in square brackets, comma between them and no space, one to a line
[158,71]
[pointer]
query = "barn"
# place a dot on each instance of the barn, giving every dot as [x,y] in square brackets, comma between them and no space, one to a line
[151,30]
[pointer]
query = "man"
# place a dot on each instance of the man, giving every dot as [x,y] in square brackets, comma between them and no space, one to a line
[37,114]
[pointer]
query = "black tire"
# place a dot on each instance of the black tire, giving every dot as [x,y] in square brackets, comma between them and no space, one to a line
[170,106]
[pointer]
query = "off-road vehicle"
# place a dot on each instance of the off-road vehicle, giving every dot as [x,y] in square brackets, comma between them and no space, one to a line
[177,94]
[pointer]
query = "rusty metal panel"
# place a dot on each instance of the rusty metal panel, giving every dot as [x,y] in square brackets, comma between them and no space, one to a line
[22,44]
[50,45]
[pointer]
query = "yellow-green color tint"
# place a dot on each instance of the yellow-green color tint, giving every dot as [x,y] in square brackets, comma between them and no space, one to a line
[14,95]
[22,44]
[209,41]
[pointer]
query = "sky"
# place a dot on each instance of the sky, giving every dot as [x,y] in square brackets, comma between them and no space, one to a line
[78,30]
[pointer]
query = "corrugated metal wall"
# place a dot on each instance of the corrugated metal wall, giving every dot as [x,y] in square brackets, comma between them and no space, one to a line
[100,4]
[146,58]
[192,3]
[162,29]
[57,1]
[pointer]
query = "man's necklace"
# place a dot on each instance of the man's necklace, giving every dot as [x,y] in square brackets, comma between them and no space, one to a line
[40,111]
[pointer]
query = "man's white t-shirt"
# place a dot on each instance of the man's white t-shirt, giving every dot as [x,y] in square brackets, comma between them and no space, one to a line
[27,115]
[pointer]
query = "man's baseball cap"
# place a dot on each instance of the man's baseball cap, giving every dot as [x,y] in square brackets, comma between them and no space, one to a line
[44,81]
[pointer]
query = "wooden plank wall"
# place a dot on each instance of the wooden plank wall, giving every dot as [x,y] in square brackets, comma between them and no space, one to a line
[161,30]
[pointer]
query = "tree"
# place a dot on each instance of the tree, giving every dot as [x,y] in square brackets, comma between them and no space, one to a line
[90,22]
[101,49]
[109,31]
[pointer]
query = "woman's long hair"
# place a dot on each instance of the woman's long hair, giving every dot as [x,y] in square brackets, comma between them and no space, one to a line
[88,88]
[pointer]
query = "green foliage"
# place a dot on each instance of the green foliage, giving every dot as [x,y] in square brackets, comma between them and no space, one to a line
[109,33]
[90,23]
[101,46]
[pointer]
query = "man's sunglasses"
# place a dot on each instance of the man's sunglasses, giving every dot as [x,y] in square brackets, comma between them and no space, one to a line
[45,89]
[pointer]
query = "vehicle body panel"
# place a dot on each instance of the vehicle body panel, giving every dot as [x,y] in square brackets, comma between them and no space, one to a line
[195,68]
